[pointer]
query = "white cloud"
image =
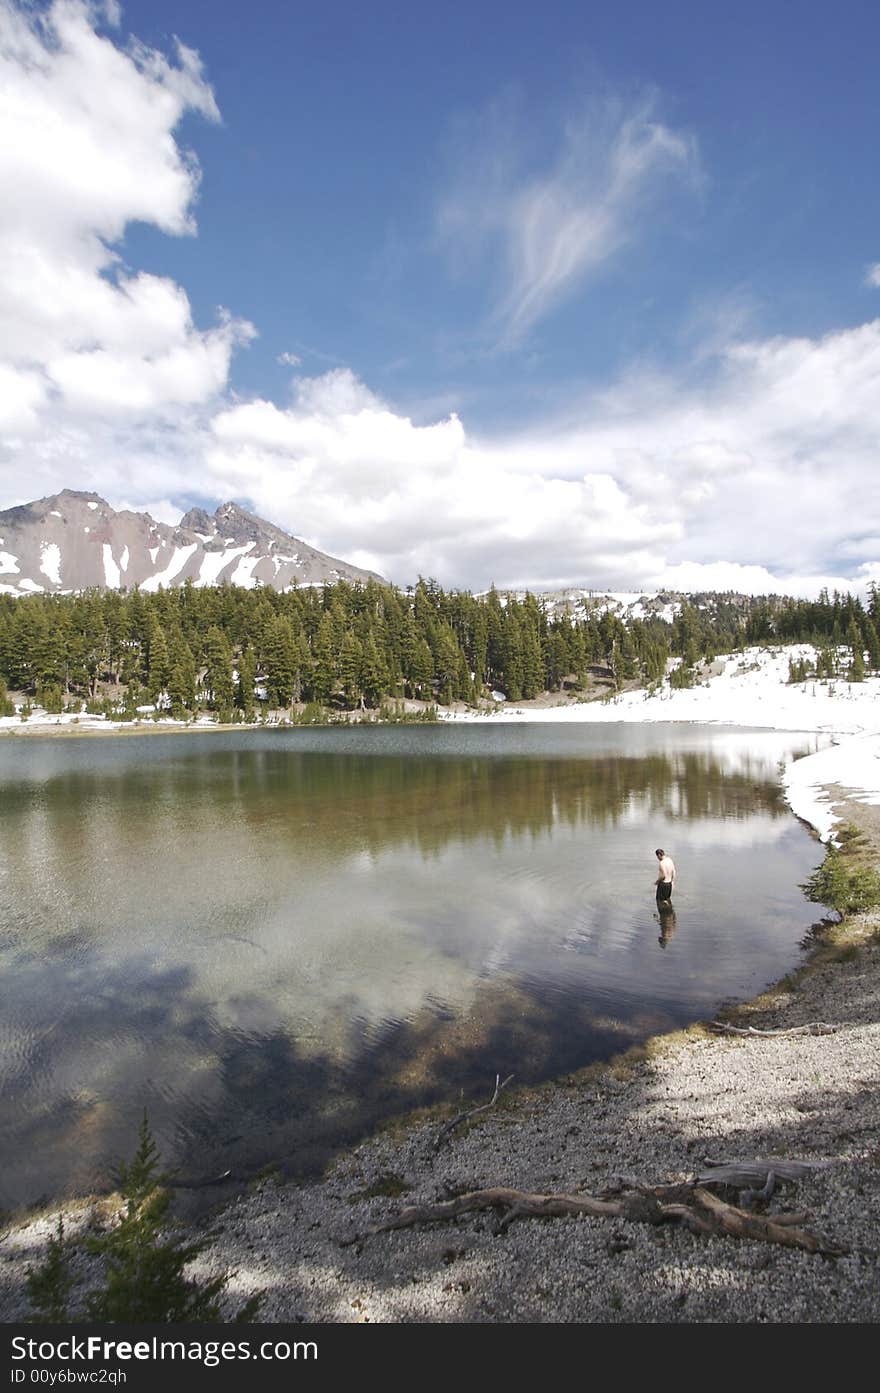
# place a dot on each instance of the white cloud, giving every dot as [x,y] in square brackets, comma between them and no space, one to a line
[694,576]
[735,485]
[758,481]
[87,147]
[872,275]
[289,360]
[555,228]
[22,393]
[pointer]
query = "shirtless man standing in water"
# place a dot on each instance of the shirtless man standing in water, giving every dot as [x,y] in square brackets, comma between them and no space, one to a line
[665,878]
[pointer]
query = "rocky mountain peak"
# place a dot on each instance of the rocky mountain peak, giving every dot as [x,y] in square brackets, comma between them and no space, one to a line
[78,495]
[233,521]
[197,520]
[74,539]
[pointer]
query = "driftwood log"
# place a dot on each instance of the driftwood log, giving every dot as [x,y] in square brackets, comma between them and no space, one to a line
[812,1028]
[689,1203]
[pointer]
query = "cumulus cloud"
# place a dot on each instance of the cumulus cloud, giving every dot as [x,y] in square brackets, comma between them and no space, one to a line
[555,227]
[872,275]
[758,480]
[87,147]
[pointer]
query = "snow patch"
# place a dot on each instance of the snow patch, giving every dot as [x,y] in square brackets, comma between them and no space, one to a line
[629,597]
[93,506]
[9,564]
[154,552]
[111,570]
[55,514]
[174,567]
[31,585]
[213,563]
[244,572]
[50,561]
[123,560]
[853,765]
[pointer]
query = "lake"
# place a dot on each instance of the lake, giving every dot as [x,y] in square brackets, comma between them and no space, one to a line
[273,939]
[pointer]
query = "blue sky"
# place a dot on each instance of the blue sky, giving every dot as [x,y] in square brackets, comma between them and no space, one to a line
[547,295]
[344,134]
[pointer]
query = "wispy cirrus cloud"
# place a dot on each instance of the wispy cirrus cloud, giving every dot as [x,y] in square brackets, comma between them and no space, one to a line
[551,226]
[872,275]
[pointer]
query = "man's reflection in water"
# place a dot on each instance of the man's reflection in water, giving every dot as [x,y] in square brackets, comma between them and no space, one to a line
[668,924]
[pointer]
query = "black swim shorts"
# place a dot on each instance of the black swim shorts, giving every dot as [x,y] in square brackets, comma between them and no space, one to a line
[664,891]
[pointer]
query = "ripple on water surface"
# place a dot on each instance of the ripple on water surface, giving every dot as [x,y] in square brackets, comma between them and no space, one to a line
[273,940]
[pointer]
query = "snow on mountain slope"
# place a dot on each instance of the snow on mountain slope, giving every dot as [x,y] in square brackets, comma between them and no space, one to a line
[74,540]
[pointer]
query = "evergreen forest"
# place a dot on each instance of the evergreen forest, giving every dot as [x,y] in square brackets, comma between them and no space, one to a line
[320,651]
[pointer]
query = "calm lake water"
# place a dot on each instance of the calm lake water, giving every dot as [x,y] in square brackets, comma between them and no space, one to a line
[270,940]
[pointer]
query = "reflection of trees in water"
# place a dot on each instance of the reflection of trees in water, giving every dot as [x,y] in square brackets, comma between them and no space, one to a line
[374,802]
[331,805]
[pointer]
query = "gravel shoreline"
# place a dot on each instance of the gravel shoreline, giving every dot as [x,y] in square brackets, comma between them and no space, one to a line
[655,1114]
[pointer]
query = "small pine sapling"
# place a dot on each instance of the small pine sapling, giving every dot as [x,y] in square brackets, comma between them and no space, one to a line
[49,1285]
[147,1251]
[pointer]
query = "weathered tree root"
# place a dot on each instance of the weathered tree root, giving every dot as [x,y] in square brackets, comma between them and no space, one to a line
[813,1028]
[473,1112]
[689,1203]
[758,1178]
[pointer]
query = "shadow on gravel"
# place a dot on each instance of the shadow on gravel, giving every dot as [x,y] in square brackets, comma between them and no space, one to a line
[312,1115]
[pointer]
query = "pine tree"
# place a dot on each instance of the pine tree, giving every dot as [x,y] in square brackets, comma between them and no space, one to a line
[158,667]
[146,1254]
[247,675]
[857,664]
[322,680]
[280,661]
[532,660]
[373,673]
[7,707]
[857,667]
[301,666]
[446,663]
[218,671]
[50,697]
[49,1285]
[351,660]
[421,679]
[182,676]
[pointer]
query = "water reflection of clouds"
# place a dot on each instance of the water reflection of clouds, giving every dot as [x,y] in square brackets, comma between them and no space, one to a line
[753,831]
[383,932]
[160,937]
